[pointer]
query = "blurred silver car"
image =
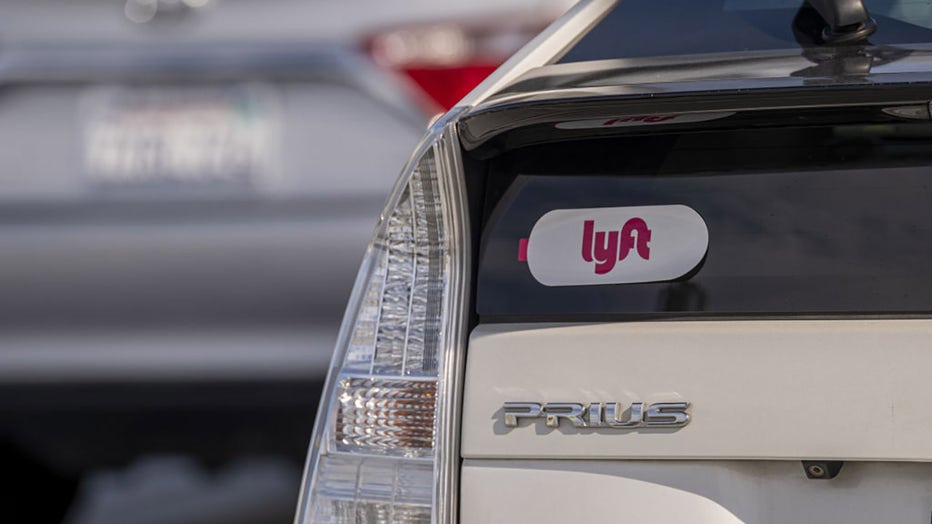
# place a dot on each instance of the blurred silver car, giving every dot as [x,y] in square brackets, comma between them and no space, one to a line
[186,187]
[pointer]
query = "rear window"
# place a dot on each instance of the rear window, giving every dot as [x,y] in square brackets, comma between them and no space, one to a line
[801,221]
[643,28]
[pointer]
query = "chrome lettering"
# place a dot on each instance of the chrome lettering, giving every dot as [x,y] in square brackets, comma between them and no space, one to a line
[609,415]
[668,414]
[554,411]
[517,410]
[635,416]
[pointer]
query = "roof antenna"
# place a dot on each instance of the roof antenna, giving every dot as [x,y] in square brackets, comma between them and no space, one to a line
[847,21]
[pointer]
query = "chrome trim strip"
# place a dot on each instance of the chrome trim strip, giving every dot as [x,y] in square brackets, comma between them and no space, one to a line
[453,191]
[544,49]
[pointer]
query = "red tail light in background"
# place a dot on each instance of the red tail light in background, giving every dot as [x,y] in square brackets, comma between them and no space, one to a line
[444,61]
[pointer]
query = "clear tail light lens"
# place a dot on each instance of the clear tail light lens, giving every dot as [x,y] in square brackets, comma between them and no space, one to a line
[445,61]
[384,448]
[385,444]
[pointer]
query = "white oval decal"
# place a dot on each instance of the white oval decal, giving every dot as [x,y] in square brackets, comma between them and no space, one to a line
[616,245]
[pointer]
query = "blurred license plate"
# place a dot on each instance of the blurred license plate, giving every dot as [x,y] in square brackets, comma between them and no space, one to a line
[170,135]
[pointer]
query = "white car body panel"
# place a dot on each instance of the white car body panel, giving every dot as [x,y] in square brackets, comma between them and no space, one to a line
[762,390]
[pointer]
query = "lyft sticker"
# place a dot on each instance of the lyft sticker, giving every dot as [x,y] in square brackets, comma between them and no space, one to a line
[615,245]
[644,120]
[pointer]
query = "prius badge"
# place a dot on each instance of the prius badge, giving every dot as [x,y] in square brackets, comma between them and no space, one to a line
[609,415]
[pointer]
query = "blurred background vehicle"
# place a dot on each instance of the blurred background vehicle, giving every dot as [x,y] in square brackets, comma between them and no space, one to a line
[186,188]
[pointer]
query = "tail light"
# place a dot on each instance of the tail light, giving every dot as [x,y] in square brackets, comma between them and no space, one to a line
[444,61]
[385,444]
[384,447]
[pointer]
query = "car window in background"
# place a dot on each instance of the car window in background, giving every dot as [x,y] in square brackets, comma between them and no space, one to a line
[640,28]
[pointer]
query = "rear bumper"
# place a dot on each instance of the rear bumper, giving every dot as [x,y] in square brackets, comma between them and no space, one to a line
[689,491]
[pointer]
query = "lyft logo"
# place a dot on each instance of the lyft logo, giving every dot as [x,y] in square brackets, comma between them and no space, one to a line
[605,249]
[644,120]
[615,245]
[648,119]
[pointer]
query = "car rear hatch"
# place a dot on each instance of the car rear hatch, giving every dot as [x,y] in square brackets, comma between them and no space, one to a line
[700,303]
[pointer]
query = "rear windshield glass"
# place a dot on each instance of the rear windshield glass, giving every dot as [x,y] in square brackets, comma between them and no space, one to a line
[806,221]
[642,28]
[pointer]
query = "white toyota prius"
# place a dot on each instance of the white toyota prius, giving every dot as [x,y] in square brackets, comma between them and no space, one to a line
[669,264]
